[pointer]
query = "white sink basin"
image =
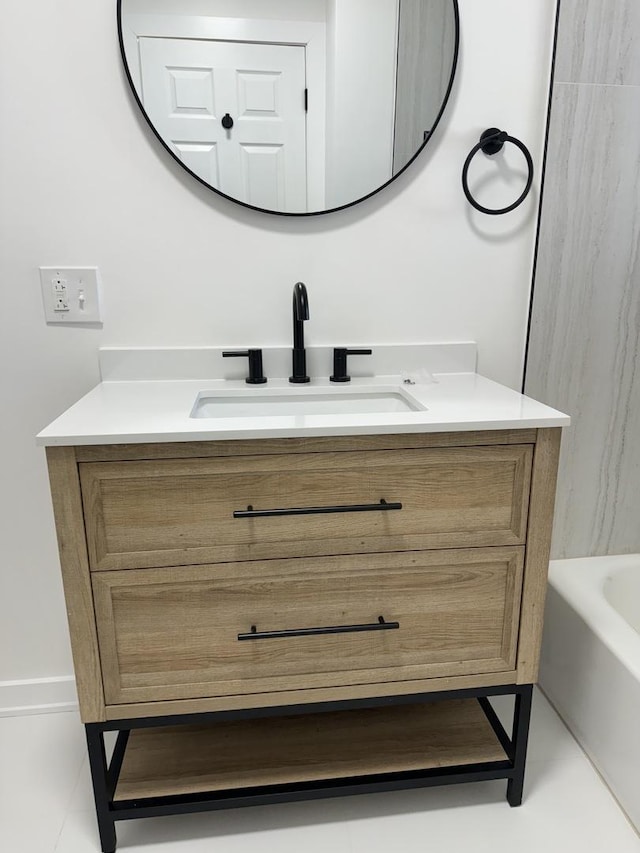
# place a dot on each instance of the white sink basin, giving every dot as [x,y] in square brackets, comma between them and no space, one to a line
[257,404]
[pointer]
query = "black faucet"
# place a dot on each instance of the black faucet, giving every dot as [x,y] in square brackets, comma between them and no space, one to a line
[300,314]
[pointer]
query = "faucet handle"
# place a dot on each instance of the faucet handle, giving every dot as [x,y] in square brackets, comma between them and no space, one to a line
[256,375]
[340,362]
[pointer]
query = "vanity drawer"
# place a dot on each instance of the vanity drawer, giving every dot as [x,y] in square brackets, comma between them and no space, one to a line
[208,631]
[181,512]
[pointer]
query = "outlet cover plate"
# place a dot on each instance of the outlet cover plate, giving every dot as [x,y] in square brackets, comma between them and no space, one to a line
[82,288]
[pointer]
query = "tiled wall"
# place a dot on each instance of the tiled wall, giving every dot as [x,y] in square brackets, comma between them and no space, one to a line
[584,355]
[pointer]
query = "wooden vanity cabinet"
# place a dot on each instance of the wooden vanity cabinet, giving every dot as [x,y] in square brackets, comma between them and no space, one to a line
[310,596]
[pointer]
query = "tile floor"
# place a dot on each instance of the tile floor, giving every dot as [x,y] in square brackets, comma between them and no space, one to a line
[46,807]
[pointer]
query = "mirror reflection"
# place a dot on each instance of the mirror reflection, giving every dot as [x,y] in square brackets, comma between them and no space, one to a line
[291,106]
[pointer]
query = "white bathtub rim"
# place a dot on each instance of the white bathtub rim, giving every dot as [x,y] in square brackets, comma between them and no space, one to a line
[587,599]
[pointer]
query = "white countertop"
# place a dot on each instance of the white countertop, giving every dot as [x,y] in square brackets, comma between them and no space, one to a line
[133,412]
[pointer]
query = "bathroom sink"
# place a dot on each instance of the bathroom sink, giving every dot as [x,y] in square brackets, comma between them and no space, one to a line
[303,402]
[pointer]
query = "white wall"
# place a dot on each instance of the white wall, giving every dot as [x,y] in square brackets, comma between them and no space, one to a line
[362,40]
[83,182]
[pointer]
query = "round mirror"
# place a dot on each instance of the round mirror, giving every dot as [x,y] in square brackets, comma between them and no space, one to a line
[291,106]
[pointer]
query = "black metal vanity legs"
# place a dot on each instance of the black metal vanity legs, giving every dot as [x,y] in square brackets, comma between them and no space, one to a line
[515,746]
[101,774]
[520,738]
[507,754]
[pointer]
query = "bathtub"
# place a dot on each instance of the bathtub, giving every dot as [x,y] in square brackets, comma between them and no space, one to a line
[590,667]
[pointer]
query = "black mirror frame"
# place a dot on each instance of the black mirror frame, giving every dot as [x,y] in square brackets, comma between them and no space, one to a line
[454,65]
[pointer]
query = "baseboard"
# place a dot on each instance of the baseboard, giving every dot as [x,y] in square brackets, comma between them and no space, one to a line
[38,696]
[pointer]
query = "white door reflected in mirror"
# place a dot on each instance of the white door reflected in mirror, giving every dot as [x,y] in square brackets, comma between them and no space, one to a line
[291,106]
[258,154]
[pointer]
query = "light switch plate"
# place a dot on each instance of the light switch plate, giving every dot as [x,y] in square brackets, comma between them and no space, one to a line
[71,295]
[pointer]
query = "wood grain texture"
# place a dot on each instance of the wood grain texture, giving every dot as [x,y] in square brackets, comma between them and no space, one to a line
[584,354]
[180,512]
[282,698]
[192,759]
[172,633]
[67,508]
[334,444]
[599,42]
[495,624]
[543,492]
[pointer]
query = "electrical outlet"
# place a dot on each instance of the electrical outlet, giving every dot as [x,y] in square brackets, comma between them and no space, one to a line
[60,295]
[71,294]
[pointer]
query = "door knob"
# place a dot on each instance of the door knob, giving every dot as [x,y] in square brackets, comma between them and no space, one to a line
[227,122]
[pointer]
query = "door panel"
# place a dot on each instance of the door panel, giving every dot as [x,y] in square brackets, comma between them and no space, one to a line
[200,157]
[192,91]
[263,174]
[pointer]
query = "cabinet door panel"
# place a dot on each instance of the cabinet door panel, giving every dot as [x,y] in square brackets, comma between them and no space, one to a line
[181,512]
[174,633]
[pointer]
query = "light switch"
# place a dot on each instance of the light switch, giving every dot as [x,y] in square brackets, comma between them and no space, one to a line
[71,294]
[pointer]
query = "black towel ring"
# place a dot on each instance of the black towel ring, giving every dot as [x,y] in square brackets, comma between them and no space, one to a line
[491,142]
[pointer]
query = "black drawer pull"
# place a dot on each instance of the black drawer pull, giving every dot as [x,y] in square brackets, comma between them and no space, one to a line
[250,512]
[380,625]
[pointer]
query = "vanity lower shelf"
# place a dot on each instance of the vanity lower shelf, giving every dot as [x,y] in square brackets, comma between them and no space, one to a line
[251,754]
[208,761]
